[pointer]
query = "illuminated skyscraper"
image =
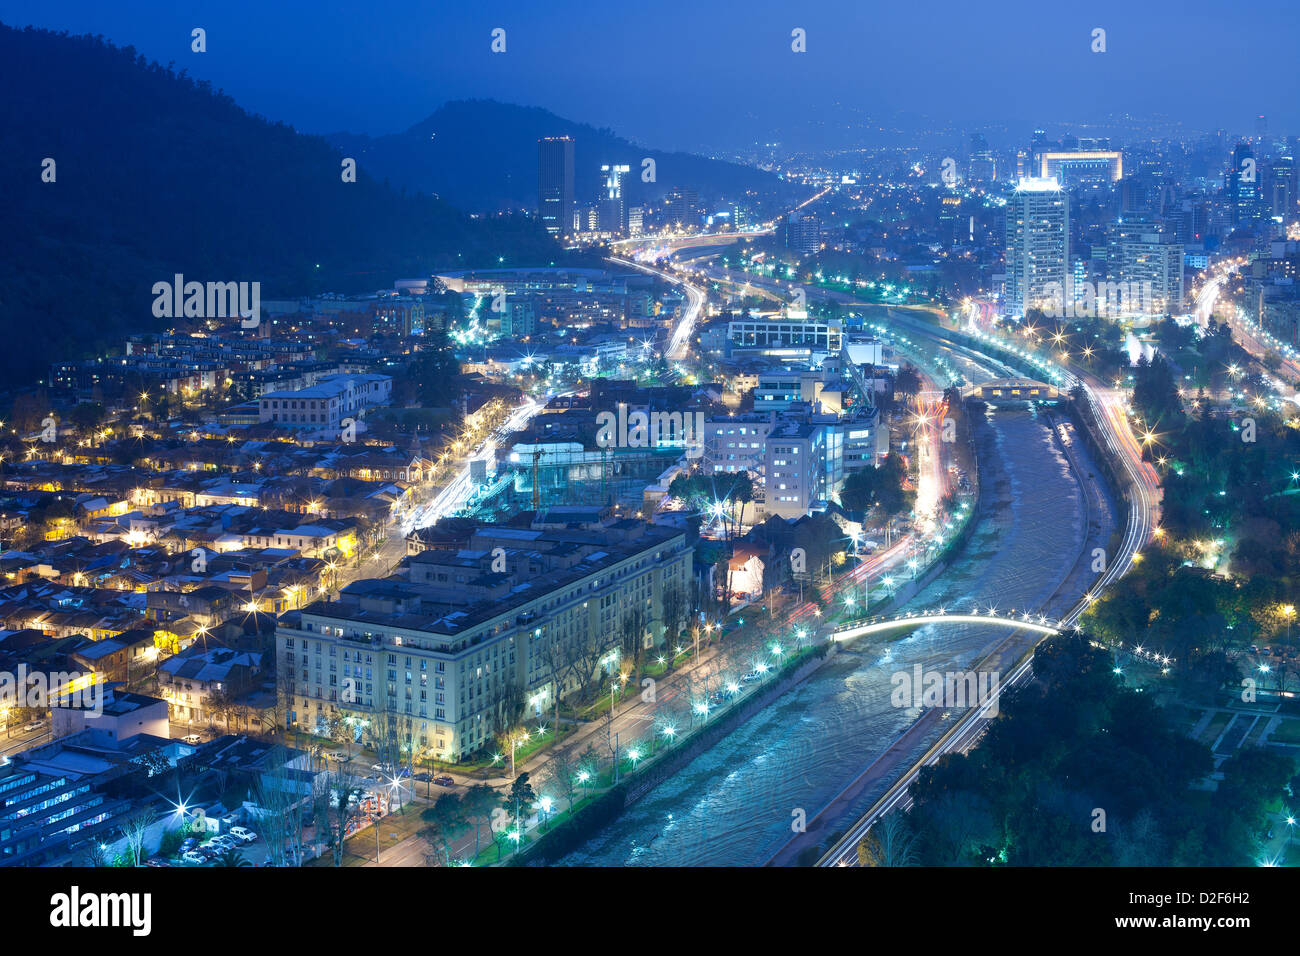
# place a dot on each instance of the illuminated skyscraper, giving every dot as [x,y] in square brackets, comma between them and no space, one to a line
[1243,186]
[1281,194]
[1038,246]
[613,210]
[555,184]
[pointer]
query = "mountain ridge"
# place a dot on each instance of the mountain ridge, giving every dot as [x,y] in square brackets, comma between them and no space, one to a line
[155,173]
[481,154]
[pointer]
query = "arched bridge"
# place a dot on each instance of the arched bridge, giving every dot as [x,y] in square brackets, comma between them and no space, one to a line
[1013,389]
[1030,622]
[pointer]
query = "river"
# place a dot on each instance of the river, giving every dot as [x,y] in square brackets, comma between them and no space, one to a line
[734,804]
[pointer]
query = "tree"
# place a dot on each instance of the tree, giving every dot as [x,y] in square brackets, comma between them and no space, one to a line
[908,381]
[86,417]
[337,810]
[478,803]
[888,843]
[134,829]
[521,796]
[509,713]
[556,654]
[433,371]
[279,820]
[564,774]
[218,703]
[587,649]
[386,739]
[446,821]
[675,612]
[517,802]
[94,855]
[633,631]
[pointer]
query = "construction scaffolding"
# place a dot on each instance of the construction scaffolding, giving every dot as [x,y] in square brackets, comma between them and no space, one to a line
[566,473]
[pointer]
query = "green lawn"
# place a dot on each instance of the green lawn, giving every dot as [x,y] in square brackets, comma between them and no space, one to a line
[1215,727]
[1287,732]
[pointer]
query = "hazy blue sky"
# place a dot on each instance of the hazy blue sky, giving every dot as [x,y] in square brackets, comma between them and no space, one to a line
[689,72]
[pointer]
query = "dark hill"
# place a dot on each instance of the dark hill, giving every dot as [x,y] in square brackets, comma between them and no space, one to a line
[482,156]
[159,174]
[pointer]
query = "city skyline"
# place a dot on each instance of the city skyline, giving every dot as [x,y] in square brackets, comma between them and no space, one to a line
[650,439]
[1042,61]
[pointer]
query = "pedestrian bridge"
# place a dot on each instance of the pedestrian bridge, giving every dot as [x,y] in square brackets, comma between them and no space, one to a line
[1013,389]
[1026,621]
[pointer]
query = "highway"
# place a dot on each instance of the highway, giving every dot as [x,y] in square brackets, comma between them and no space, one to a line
[679,342]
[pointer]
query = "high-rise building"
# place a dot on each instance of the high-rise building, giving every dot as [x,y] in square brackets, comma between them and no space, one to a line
[1073,167]
[555,184]
[684,208]
[1191,222]
[1151,270]
[611,206]
[803,232]
[1038,245]
[983,166]
[1281,192]
[1242,186]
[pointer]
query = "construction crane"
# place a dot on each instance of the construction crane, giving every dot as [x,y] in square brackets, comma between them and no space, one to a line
[537,479]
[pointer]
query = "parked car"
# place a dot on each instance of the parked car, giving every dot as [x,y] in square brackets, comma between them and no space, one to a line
[34,725]
[338,756]
[198,859]
[423,776]
[243,834]
[188,844]
[444,781]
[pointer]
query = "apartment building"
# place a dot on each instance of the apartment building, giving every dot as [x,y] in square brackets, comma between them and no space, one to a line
[325,404]
[796,462]
[480,618]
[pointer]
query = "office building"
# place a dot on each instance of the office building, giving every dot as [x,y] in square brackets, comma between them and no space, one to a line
[611,207]
[1243,186]
[1076,167]
[555,184]
[794,335]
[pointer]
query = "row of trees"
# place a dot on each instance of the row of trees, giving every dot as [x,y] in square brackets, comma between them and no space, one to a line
[1079,770]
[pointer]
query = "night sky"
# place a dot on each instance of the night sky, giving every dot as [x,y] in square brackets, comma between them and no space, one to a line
[710,74]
